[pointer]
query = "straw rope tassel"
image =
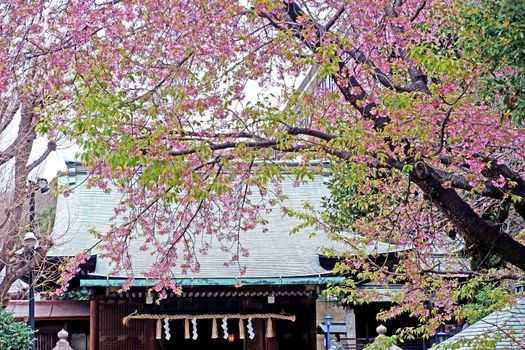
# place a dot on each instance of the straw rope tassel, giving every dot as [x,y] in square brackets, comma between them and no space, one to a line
[214,333]
[269,328]
[158,333]
[241,329]
[186,329]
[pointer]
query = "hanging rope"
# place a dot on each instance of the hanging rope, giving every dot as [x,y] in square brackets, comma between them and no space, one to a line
[214,333]
[158,332]
[269,328]
[186,329]
[126,319]
[241,329]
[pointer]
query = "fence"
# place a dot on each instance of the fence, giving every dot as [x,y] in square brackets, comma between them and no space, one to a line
[360,343]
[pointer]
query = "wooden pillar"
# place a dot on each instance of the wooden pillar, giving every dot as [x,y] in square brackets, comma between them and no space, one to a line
[93,325]
[259,342]
[367,332]
[150,342]
[311,321]
[271,343]
[350,325]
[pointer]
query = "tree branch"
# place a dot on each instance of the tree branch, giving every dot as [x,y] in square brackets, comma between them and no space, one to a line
[262,143]
[294,12]
[7,114]
[22,268]
[471,226]
[334,19]
[418,11]
[51,146]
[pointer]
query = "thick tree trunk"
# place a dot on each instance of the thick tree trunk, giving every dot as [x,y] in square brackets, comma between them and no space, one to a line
[470,225]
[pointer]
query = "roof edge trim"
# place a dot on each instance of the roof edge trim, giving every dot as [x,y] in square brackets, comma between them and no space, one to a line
[196,282]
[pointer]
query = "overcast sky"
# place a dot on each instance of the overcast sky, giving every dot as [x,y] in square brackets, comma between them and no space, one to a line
[67,150]
[54,162]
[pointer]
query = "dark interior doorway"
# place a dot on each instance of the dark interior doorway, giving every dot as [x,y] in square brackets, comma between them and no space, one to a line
[204,340]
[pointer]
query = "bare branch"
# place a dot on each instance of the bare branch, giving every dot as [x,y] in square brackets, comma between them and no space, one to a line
[51,146]
[334,19]
[7,114]
[418,11]
[262,143]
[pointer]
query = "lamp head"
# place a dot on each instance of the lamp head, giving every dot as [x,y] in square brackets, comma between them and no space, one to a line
[328,320]
[30,239]
[440,336]
[43,185]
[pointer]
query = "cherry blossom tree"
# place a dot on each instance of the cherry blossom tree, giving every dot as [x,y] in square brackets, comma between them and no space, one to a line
[22,155]
[20,162]
[161,96]
[18,184]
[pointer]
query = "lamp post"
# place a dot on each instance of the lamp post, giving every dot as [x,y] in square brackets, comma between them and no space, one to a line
[31,242]
[328,322]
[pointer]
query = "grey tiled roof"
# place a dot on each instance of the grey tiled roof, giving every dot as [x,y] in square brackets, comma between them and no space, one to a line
[16,287]
[272,253]
[503,329]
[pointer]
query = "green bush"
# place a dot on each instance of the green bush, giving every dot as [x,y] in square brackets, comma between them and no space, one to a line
[14,335]
[494,31]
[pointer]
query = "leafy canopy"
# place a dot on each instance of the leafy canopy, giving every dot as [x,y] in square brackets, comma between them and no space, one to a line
[495,33]
[192,110]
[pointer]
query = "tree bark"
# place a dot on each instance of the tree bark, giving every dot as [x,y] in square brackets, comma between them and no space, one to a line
[470,225]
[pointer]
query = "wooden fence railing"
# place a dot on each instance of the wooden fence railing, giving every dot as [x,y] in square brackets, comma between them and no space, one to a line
[360,343]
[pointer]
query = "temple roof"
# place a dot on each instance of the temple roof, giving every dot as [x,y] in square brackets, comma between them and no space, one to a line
[502,329]
[272,252]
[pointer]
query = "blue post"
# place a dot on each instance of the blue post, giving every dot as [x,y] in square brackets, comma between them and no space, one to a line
[328,321]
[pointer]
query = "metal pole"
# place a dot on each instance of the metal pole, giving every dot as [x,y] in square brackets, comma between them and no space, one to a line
[32,212]
[31,286]
[328,340]
[32,307]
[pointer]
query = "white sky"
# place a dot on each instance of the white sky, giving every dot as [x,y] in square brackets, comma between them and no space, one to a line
[49,168]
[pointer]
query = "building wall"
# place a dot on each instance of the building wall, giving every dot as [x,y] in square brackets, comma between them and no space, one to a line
[324,308]
[108,313]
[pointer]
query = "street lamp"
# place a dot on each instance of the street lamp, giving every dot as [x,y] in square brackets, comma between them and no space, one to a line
[328,322]
[440,336]
[31,242]
[30,239]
